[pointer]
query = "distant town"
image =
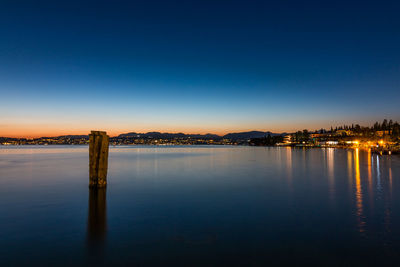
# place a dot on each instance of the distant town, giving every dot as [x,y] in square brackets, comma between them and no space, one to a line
[381,137]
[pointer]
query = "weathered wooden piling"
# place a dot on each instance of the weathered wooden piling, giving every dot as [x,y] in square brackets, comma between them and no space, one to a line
[98,158]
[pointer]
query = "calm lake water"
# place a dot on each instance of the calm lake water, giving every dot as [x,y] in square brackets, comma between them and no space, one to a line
[199,205]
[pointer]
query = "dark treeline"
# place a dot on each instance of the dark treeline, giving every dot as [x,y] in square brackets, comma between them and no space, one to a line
[301,136]
[386,129]
[389,128]
[392,128]
[266,141]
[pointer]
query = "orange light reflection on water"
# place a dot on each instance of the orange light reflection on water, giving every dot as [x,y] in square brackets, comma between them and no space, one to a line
[359,200]
[331,175]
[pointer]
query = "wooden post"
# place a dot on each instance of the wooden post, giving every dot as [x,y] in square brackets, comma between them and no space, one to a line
[98,158]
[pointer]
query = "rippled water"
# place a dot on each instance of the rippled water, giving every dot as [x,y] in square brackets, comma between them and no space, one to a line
[199,205]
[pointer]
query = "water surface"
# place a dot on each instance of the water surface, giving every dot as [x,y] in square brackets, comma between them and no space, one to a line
[199,205]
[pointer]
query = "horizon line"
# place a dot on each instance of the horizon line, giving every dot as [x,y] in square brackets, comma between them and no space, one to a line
[113,133]
[208,133]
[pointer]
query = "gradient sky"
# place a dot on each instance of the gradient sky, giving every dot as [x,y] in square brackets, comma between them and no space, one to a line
[68,67]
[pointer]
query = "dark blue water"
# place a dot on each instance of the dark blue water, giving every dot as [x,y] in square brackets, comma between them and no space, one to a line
[202,206]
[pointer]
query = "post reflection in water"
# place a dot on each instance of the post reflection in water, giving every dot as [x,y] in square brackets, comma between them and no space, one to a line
[97,217]
[359,195]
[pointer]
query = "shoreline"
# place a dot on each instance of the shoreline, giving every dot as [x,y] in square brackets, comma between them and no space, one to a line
[373,150]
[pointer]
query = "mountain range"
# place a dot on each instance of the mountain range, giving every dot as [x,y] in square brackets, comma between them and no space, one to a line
[159,135]
[231,136]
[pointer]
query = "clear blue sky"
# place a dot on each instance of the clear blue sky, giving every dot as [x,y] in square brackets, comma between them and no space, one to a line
[196,66]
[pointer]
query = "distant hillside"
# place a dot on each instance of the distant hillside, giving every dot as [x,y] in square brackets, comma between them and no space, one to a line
[74,136]
[231,136]
[158,135]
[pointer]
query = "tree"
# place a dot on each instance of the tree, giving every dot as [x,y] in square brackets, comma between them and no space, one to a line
[298,136]
[377,126]
[396,129]
[384,125]
[306,135]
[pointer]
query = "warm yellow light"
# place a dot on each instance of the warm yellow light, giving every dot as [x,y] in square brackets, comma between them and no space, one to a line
[356,142]
[381,142]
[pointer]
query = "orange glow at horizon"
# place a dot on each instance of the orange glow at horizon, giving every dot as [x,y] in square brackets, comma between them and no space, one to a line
[36,133]
[34,127]
[42,129]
